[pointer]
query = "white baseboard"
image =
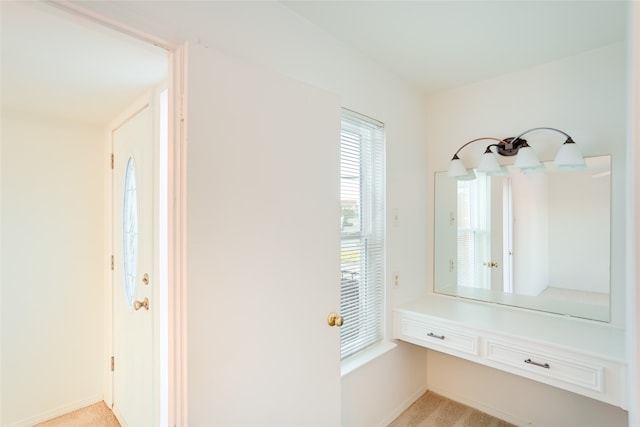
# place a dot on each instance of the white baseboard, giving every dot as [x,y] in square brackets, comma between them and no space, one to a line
[510,418]
[56,412]
[402,407]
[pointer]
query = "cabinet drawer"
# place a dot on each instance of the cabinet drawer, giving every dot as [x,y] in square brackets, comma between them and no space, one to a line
[438,336]
[557,368]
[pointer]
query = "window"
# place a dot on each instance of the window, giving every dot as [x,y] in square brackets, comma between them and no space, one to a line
[362,287]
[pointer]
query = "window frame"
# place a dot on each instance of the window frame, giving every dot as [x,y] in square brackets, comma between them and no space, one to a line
[363,290]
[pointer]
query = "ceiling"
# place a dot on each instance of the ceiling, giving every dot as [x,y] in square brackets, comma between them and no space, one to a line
[443,44]
[56,63]
[50,62]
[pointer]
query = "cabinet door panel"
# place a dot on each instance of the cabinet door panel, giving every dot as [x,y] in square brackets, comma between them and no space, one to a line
[439,336]
[556,367]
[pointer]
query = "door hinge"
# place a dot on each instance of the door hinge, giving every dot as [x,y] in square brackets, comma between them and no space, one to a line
[113,263]
[113,161]
[112,363]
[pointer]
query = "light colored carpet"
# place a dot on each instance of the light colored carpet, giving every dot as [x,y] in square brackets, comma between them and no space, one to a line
[433,410]
[97,415]
[430,410]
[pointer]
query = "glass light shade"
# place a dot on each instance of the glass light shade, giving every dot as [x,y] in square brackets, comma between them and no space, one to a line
[536,169]
[470,176]
[489,164]
[573,168]
[569,155]
[526,158]
[502,172]
[456,168]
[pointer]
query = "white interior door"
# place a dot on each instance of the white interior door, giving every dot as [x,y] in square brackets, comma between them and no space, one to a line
[263,246]
[134,276]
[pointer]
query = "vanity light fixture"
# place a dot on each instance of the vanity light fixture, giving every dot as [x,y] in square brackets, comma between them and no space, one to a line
[568,157]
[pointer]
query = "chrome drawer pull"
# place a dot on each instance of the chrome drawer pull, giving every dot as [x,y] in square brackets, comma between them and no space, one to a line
[542,365]
[431,334]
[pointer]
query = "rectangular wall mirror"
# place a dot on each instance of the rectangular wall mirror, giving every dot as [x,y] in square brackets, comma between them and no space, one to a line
[539,241]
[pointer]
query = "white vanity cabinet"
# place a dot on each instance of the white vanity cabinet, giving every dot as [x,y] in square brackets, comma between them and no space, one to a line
[584,357]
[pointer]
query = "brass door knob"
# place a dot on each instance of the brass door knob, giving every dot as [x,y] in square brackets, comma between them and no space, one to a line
[137,305]
[335,320]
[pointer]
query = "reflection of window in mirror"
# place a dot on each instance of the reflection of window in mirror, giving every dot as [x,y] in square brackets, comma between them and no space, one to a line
[474,232]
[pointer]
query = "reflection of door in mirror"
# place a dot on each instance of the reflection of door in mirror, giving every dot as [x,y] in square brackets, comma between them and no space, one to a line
[484,233]
[531,232]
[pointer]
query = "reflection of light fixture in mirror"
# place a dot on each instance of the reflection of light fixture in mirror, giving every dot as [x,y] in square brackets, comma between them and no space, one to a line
[568,157]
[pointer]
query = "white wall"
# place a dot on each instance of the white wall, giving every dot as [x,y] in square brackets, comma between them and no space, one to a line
[584,95]
[633,216]
[52,267]
[576,209]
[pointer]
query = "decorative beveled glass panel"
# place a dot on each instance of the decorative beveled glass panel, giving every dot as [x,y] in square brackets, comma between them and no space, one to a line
[130,232]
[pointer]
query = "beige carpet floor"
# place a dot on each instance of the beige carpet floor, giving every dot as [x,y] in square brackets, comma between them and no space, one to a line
[97,415]
[430,410]
[433,410]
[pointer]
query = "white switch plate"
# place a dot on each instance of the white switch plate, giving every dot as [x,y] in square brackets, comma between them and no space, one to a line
[395,217]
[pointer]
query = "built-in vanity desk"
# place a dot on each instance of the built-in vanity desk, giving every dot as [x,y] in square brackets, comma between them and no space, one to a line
[581,356]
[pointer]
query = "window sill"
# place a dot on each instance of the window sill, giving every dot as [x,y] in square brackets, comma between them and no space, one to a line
[360,359]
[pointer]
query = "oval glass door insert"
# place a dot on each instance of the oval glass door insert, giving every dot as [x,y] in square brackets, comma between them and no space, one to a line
[130,232]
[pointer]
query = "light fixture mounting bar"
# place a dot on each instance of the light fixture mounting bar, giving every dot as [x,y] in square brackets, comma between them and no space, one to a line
[455,156]
[510,146]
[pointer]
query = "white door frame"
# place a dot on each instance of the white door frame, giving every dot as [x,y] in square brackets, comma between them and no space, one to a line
[177,245]
[176,403]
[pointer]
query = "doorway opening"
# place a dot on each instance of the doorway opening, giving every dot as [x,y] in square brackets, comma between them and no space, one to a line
[66,77]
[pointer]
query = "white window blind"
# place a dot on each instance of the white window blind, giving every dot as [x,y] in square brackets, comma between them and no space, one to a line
[362,181]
